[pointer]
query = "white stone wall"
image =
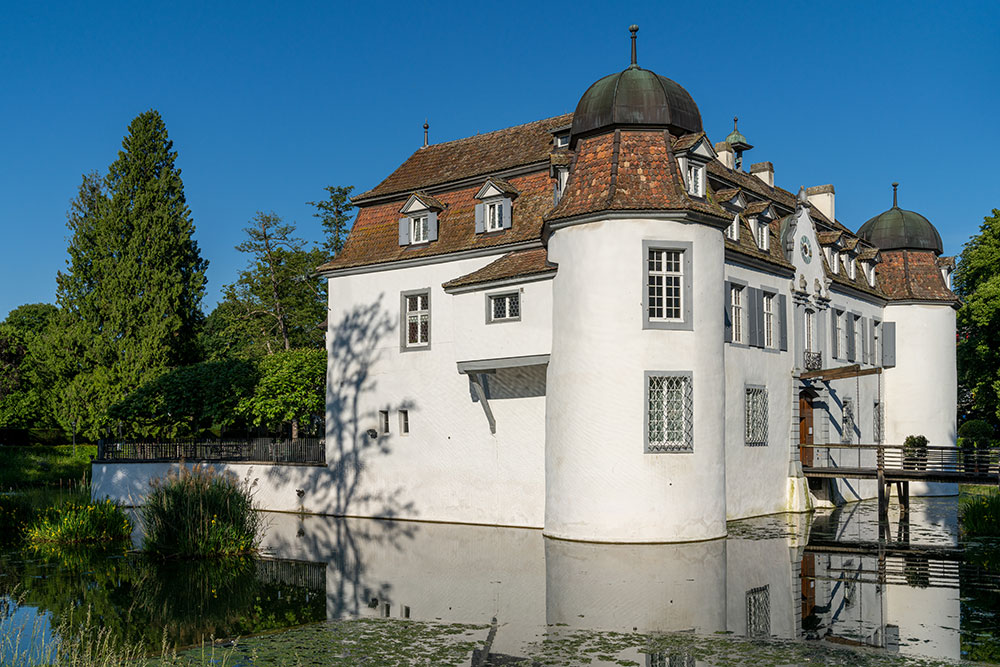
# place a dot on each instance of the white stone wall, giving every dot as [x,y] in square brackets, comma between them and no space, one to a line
[449,467]
[600,483]
[922,389]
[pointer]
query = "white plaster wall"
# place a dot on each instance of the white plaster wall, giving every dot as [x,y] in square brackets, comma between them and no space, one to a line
[449,467]
[600,484]
[274,487]
[752,563]
[532,334]
[922,389]
[766,491]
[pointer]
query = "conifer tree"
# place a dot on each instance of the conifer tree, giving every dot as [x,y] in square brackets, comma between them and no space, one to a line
[135,277]
[334,214]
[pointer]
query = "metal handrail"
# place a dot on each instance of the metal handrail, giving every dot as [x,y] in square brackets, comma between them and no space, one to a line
[932,458]
[270,450]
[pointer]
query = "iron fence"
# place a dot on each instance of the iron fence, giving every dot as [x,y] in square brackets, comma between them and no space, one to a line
[983,461]
[310,451]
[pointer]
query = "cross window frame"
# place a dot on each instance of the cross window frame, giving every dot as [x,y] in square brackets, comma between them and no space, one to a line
[511,301]
[419,229]
[415,308]
[656,436]
[660,275]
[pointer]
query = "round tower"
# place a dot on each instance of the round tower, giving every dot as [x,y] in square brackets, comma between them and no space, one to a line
[635,411]
[920,389]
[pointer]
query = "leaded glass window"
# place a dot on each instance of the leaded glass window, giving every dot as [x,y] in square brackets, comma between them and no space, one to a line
[759,612]
[756,416]
[847,432]
[669,413]
[417,319]
[505,307]
[664,284]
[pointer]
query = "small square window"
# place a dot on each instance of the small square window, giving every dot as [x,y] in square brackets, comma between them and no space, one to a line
[404,422]
[504,307]
[419,229]
[383,422]
[494,216]
[561,140]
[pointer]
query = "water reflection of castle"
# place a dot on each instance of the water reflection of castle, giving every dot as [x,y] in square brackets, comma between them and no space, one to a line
[813,580]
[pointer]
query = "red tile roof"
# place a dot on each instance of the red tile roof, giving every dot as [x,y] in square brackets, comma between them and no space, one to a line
[912,274]
[518,264]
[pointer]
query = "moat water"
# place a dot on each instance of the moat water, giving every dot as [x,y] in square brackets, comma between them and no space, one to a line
[786,589]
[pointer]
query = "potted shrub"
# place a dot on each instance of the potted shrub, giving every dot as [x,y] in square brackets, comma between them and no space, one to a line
[915,452]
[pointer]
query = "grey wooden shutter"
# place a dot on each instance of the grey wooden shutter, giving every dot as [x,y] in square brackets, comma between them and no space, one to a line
[834,342]
[506,213]
[888,344]
[751,308]
[783,314]
[759,297]
[863,323]
[851,337]
[404,231]
[432,226]
[871,344]
[480,219]
[729,312]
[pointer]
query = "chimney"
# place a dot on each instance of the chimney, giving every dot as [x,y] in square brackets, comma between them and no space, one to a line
[726,155]
[764,171]
[821,196]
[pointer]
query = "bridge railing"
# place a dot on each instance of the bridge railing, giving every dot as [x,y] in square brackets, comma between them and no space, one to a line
[307,451]
[983,461]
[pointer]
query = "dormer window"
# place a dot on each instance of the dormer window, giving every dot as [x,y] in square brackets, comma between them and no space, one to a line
[852,269]
[696,179]
[561,140]
[419,229]
[420,224]
[733,230]
[834,258]
[762,234]
[493,214]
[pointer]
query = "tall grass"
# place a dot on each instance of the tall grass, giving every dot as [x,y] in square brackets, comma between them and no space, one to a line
[980,515]
[199,513]
[81,523]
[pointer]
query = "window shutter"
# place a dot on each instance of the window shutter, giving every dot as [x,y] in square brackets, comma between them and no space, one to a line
[863,323]
[506,213]
[754,316]
[729,312]
[404,231]
[834,342]
[480,219]
[432,226]
[871,344]
[783,331]
[888,344]
[849,332]
[759,296]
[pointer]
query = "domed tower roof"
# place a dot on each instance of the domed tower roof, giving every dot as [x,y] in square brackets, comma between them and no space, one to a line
[898,229]
[635,97]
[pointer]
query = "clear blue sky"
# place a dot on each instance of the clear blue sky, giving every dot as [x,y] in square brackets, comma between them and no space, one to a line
[269,102]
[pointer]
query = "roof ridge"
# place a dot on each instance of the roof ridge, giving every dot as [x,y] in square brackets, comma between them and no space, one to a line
[479,135]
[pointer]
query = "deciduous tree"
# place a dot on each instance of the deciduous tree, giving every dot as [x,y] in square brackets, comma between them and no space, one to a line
[291,389]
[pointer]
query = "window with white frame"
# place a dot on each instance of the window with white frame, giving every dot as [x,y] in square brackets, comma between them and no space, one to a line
[416,319]
[696,179]
[383,422]
[852,270]
[504,307]
[763,236]
[733,230]
[768,307]
[561,140]
[756,416]
[494,216]
[665,284]
[847,423]
[736,312]
[876,343]
[404,422]
[834,261]
[669,412]
[419,229]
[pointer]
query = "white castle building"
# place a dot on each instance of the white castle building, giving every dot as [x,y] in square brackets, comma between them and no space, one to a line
[596,324]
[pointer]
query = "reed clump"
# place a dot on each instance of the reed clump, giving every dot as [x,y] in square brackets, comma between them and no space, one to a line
[81,523]
[200,513]
[980,515]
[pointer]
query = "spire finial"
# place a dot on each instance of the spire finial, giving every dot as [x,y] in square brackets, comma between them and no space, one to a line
[894,186]
[736,119]
[426,127]
[633,29]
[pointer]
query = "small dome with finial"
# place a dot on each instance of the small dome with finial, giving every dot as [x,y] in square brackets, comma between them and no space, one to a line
[899,229]
[736,139]
[635,97]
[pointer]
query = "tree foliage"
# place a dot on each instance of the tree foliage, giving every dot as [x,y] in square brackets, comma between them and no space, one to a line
[334,215]
[134,280]
[187,400]
[291,389]
[275,304]
[977,282]
[25,396]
